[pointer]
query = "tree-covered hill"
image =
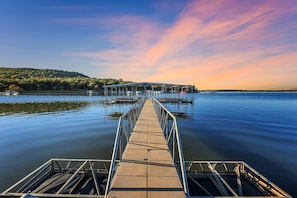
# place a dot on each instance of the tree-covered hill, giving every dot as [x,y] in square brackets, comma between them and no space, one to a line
[28,79]
[21,73]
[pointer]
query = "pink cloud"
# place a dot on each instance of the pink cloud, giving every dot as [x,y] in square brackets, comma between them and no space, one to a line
[222,44]
[239,71]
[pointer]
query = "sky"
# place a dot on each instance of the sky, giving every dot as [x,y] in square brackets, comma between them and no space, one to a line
[212,44]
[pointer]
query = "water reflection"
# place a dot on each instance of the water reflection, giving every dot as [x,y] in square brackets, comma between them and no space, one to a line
[44,107]
[181,115]
[115,115]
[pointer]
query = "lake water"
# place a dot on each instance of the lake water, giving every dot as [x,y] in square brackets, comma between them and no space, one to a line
[259,128]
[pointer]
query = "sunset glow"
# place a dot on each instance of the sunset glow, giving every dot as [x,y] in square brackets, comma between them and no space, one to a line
[222,44]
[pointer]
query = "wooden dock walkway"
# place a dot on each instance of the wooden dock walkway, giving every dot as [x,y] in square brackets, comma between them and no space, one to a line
[147,168]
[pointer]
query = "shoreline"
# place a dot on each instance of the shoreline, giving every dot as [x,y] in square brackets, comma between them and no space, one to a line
[48,92]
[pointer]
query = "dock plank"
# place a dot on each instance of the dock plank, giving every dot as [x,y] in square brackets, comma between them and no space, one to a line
[147,169]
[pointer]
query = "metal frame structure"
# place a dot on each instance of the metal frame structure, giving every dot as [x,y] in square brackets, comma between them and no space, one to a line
[126,125]
[230,178]
[64,178]
[122,89]
[169,126]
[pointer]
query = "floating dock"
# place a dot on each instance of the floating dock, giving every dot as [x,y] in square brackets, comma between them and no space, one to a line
[133,100]
[147,161]
[175,100]
[122,100]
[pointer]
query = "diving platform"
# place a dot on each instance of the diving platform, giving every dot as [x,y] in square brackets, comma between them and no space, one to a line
[147,161]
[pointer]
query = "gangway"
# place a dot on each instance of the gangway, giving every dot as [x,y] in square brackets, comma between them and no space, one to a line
[146,167]
[147,161]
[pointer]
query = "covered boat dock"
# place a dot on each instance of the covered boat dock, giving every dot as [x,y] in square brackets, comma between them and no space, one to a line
[149,88]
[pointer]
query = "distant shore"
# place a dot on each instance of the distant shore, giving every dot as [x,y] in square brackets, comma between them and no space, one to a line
[101,92]
[65,92]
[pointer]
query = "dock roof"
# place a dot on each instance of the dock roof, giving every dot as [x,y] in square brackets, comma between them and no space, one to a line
[146,84]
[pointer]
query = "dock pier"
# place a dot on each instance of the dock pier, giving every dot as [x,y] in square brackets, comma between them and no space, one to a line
[147,161]
[146,88]
[147,168]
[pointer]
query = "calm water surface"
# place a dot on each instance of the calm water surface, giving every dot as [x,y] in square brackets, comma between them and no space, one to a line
[258,128]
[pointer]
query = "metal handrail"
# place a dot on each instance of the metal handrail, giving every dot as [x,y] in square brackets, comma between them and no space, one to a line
[169,126]
[126,125]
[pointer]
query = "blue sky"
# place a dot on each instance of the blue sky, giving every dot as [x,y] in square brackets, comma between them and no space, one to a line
[212,44]
[41,33]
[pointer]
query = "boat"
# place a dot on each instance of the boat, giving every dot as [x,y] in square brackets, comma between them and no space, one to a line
[109,102]
[10,93]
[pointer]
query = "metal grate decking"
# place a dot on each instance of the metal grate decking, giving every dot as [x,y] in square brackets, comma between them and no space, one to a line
[147,168]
